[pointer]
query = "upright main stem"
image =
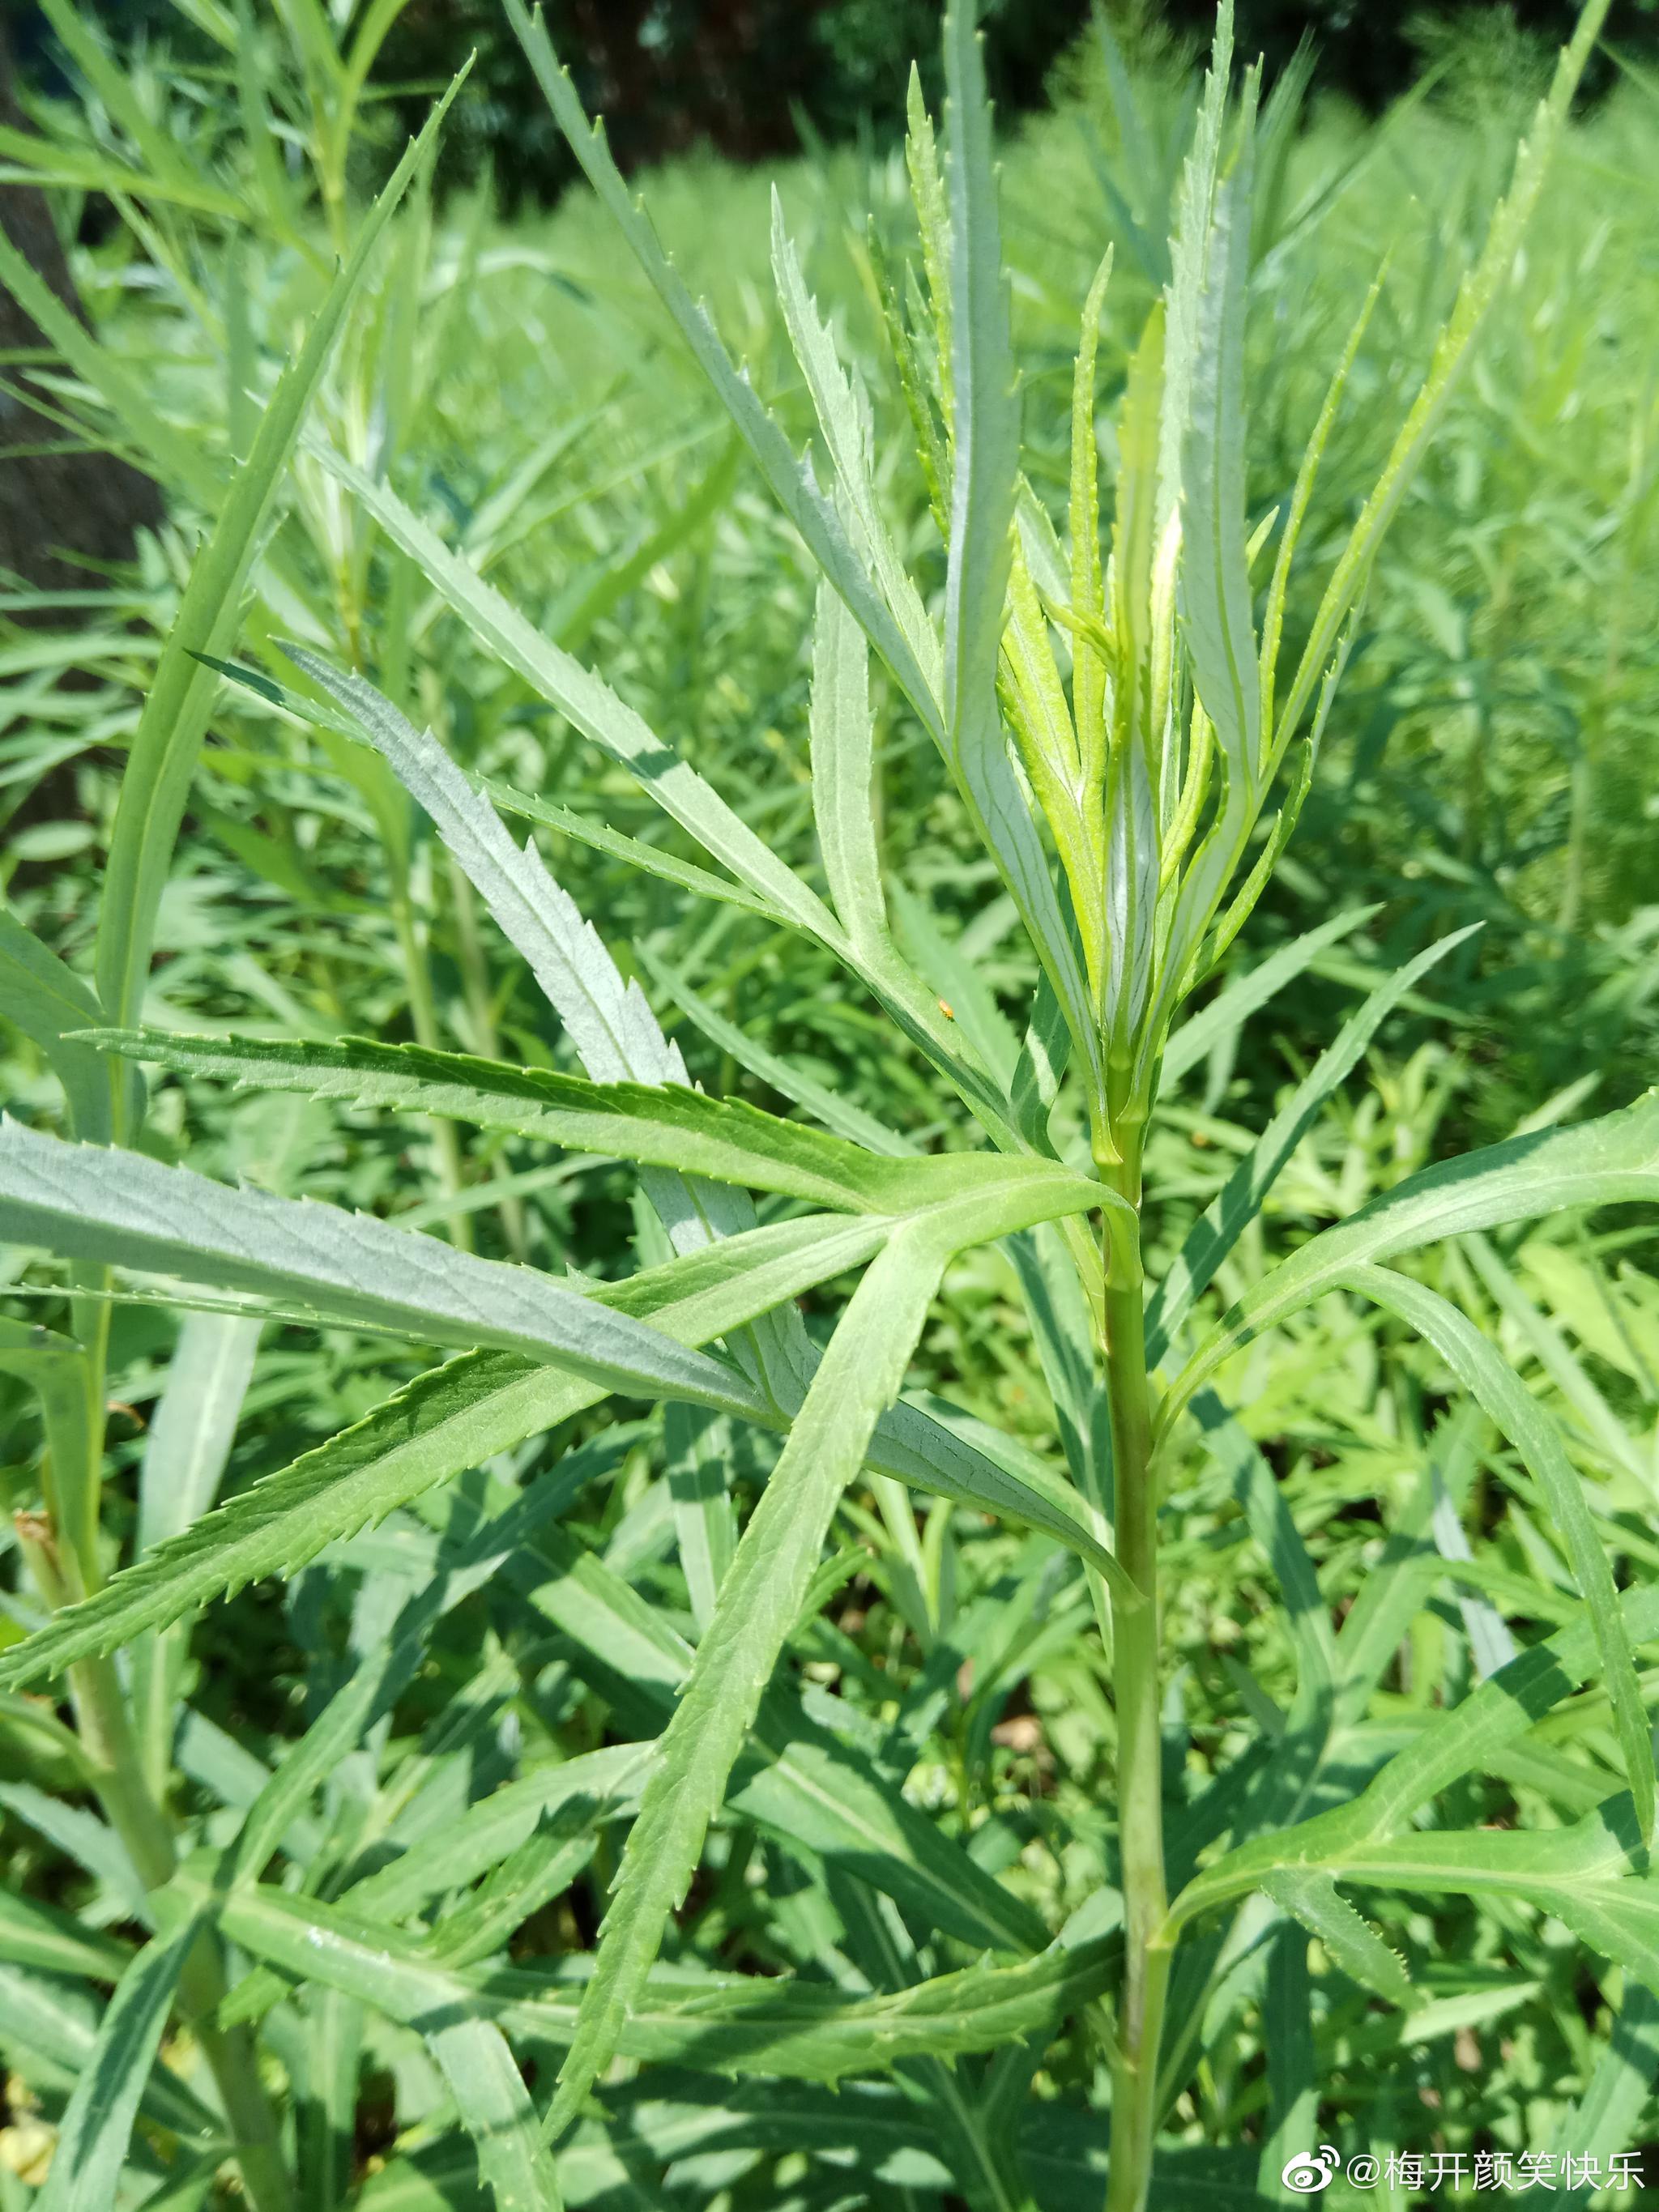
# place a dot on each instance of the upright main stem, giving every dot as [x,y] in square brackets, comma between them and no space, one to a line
[1139,1744]
[75,1425]
[107,1737]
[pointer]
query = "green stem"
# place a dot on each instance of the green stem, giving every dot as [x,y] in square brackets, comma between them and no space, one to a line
[74,1412]
[1140,1742]
[105,1733]
[423,1015]
[106,1737]
[60,1547]
[114,1769]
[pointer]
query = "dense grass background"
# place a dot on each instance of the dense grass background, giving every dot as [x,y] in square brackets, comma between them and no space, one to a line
[1492,760]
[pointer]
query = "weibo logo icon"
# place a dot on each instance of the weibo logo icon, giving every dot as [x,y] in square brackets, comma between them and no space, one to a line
[1310,2171]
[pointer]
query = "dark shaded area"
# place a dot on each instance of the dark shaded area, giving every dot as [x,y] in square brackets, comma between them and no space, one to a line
[1371,51]
[759,78]
[54,505]
[756,79]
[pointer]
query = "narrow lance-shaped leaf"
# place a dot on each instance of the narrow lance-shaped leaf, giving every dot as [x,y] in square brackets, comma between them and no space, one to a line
[1611,1438]
[331,1737]
[1301,491]
[843,413]
[45,2026]
[985,468]
[357,1270]
[1088,663]
[843,769]
[186,1454]
[830,1106]
[1215,585]
[83,1837]
[1608,1162]
[759,1601]
[1220,1021]
[97,2127]
[633,852]
[54,1367]
[721,2022]
[1609,2110]
[1291,2069]
[54,1942]
[90,1202]
[593,1786]
[1352,1943]
[797,1780]
[1475,298]
[167,159]
[48,1001]
[484,2079]
[462,1415]
[1063,1335]
[358,1957]
[162,762]
[1307,1617]
[933,223]
[1224,1220]
[664,1125]
[1506,1400]
[583,698]
[1464,1741]
[1588,1875]
[166,450]
[1185,287]
[456,1417]
[1490,1645]
[604,718]
[610,1023]
[789,478]
[697,1449]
